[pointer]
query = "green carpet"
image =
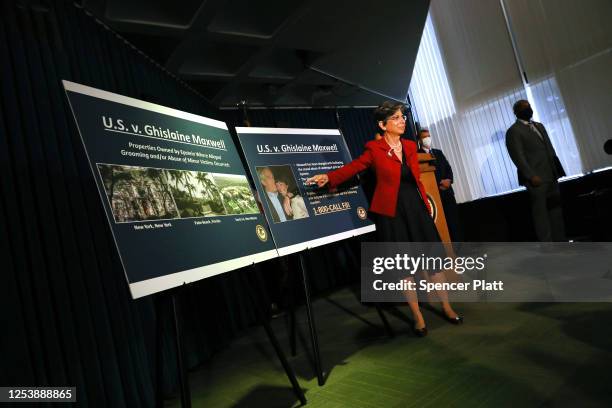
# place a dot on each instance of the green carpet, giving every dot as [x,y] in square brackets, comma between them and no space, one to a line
[527,355]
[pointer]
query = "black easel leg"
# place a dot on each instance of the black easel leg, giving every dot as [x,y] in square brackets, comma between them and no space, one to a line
[159,360]
[183,378]
[383,318]
[379,309]
[292,336]
[277,348]
[292,341]
[311,323]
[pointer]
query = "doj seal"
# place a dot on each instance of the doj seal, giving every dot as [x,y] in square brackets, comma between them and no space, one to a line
[433,212]
[261,232]
[362,213]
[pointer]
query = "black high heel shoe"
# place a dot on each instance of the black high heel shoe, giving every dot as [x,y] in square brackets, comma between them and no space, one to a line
[420,332]
[454,320]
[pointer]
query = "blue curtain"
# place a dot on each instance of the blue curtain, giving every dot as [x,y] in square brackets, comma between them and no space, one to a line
[67,315]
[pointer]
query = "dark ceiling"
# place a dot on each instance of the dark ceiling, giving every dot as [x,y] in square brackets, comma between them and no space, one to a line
[277,52]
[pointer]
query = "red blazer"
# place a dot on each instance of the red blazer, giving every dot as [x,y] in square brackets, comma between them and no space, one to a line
[388,172]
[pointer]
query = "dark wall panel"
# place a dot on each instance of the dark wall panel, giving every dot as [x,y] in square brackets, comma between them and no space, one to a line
[67,315]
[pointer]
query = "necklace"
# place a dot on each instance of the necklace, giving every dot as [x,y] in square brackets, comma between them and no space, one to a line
[396,147]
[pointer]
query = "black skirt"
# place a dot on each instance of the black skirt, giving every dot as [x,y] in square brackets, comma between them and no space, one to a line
[412,222]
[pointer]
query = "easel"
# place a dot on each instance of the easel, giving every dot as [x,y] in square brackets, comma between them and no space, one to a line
[182,373]
[240,131]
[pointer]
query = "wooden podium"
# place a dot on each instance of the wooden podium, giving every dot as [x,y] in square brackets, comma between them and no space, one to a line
[428,178]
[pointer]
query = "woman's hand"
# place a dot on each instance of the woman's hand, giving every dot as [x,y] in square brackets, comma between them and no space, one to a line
[320,180]
[287,206]
[445,184]
[536,181]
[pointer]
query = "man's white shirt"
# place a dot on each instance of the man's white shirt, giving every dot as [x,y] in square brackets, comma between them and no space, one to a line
[533,127]
[277,205]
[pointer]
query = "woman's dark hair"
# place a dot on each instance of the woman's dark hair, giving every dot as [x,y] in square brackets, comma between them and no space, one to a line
[282,178]
[385,110]
[291,187]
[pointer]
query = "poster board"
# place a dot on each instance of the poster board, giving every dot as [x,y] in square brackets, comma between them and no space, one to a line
[280,160]
[173,188]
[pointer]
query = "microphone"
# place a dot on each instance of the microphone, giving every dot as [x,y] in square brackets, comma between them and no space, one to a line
[608,146]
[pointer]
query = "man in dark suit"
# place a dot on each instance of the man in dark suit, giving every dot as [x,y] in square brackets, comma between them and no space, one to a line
[444,178]
[539,169]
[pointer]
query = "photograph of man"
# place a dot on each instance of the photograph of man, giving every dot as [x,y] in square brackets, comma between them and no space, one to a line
[297,207]
[538,169]
[280,207]
[444,178]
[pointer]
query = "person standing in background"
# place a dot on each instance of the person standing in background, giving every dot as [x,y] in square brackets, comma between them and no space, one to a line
[444,178]
[538,169]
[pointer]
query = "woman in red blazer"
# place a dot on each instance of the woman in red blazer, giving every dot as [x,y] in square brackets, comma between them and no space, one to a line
[399,206]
